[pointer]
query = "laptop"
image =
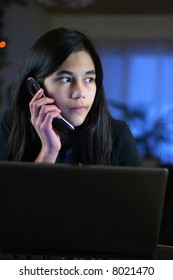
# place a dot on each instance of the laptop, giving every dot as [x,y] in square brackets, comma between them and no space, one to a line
[83,211]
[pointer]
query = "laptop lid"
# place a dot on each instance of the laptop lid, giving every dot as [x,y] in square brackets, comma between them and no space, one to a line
[84,210]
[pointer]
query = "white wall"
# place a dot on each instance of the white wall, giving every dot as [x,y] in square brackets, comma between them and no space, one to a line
[24,24]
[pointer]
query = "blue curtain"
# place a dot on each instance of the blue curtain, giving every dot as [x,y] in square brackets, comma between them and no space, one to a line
[139,75]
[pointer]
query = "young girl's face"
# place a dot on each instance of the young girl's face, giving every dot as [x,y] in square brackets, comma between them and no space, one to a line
[73,87]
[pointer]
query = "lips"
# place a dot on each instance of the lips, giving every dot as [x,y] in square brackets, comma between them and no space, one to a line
[78,108]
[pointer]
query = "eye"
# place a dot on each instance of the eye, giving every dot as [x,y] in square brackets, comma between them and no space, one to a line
[90,79]
[65,79]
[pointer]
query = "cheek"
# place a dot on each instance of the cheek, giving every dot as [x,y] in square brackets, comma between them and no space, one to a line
[60,100]
[92,99]
[58,95]
[92,96]
[52,90]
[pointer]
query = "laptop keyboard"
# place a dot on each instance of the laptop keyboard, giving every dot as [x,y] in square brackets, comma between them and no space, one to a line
[8,256]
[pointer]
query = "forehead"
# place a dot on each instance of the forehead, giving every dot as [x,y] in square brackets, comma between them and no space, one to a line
[76,59]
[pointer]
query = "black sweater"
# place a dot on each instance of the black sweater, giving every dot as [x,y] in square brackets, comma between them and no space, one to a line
[125,150]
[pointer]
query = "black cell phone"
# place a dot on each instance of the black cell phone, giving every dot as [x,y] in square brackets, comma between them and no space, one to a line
[60,124]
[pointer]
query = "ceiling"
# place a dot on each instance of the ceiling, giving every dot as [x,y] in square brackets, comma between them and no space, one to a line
[109,6]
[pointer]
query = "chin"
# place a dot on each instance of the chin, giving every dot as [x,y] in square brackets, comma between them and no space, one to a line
[78,123]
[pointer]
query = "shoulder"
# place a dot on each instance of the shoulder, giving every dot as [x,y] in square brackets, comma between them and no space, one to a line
[5,130]
[118,123]
[125,148]
[119,127]
[6,121]
[6,117]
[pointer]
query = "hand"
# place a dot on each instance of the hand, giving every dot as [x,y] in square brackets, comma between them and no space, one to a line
[43,111]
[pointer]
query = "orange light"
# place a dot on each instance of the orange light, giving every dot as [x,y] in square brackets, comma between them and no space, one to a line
[2,44]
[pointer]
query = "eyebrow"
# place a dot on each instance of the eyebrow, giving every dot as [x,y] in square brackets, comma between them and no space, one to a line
[62,72]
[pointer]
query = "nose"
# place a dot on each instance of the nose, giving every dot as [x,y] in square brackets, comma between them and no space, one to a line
[78,90]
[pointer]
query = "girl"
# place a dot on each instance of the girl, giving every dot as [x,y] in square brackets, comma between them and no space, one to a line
[68,69]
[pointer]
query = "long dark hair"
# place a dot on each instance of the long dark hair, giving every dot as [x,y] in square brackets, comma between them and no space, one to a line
[94,142]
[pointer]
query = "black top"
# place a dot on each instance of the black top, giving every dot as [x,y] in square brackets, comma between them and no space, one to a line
[125,150]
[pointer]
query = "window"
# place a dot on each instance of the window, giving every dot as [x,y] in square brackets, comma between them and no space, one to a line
[140,76]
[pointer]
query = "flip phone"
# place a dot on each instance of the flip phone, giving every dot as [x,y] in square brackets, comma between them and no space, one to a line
[60,124]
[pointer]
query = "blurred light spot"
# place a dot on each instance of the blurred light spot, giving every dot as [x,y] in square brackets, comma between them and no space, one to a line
[2,44]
